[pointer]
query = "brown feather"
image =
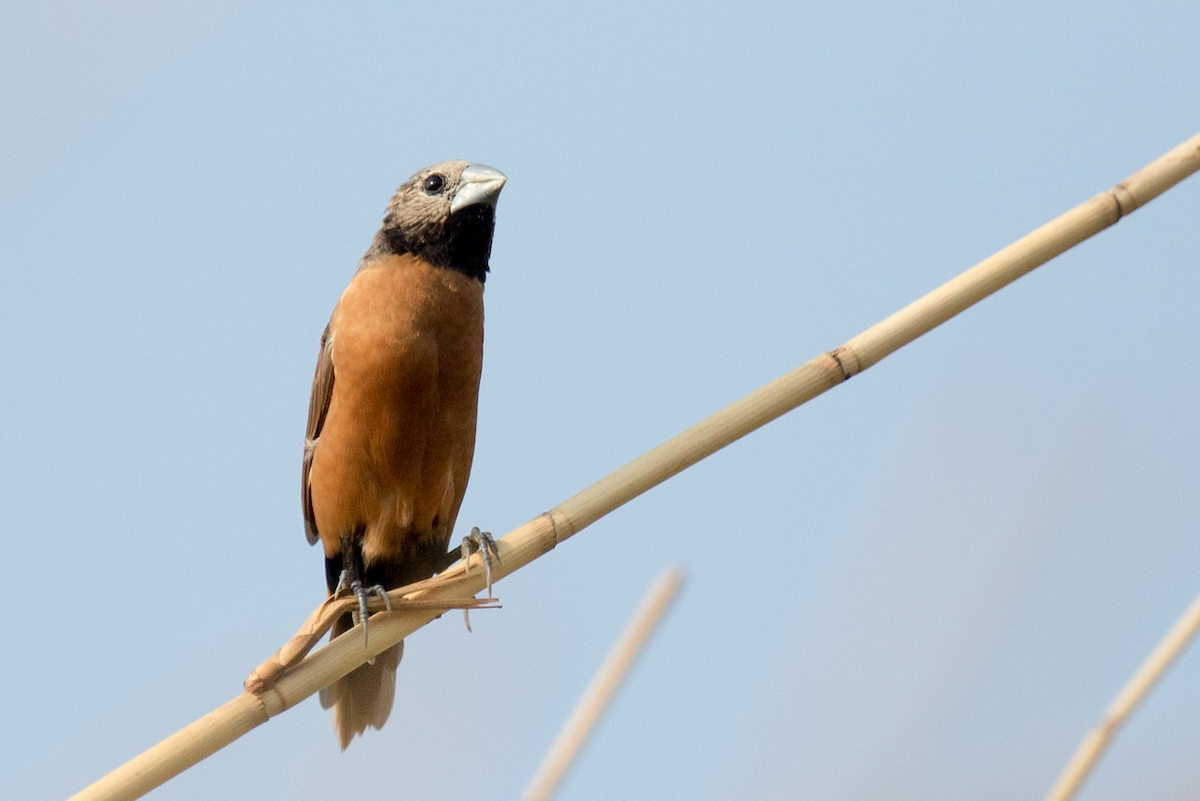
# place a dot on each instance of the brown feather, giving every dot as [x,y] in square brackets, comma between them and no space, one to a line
[363,697]
[398,438]
[318,407]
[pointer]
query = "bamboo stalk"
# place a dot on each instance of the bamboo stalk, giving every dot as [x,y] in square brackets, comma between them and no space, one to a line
[596,698]
[1124,705]
[543,533]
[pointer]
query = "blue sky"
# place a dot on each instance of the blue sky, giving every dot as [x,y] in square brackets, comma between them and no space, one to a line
[926,584]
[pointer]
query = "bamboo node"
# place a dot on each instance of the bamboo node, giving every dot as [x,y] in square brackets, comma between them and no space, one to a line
[264,676]
[1125,199]
[557,516]
[846,360]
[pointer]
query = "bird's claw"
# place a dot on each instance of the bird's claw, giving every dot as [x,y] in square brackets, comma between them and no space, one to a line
[359,591]
[489,552]
[483,542]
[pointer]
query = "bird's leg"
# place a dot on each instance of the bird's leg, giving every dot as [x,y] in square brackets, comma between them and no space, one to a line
[483,542]
[352,578]
[480,541]
[343,583]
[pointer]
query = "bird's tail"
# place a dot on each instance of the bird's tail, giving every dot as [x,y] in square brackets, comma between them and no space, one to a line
[364,696]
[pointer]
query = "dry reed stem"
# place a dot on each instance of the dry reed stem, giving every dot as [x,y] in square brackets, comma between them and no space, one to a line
[1126,702]
[595,699]
[531,540]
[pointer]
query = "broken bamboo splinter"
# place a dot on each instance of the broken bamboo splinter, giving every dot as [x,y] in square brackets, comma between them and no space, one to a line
[323,617]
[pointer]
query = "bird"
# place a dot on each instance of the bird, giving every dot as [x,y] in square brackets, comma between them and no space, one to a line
[391,419]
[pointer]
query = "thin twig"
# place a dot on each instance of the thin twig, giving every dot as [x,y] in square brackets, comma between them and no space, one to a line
[1124,705]
[599,693]
[524,544]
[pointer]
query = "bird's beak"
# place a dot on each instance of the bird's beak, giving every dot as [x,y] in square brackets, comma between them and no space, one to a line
[479,184]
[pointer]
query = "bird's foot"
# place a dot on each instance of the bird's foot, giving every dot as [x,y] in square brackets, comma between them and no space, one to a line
[483,542]
[357,589]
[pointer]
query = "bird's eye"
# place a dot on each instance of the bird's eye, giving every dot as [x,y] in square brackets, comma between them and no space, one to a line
[434,183]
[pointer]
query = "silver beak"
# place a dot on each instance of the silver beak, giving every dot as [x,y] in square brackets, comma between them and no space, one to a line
[479,184]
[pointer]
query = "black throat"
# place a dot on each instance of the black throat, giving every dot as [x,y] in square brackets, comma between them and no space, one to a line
[462,244]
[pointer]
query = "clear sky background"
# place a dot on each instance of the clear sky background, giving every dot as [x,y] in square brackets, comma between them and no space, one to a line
[927,584]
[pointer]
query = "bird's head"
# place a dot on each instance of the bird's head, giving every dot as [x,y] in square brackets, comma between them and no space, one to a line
[444,214]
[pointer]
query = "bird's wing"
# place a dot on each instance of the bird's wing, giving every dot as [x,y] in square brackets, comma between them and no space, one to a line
[318,407]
